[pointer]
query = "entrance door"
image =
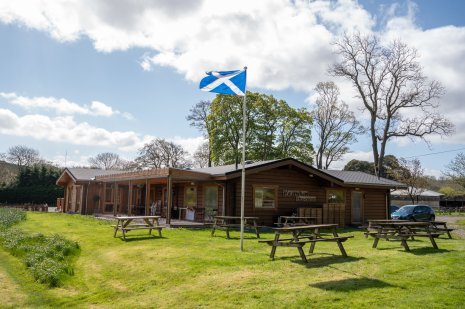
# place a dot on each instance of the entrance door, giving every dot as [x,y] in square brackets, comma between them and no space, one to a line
[357,200]
[211,202]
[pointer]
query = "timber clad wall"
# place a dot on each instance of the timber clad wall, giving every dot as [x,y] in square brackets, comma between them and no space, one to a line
[298,191]
[375,204]
[284,178]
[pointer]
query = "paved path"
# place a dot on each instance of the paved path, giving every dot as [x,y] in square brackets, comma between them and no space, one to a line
[451,222]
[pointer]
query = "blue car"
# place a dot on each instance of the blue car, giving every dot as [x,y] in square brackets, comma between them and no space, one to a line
[393,209]
[414,213]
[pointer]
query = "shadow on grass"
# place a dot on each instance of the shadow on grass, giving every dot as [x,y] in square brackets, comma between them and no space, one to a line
[417,251]
[330,260]
[321,261]
[138,238]
[351,284]
[426,250]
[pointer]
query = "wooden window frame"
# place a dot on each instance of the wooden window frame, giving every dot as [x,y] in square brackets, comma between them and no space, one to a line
[336,189]
[259,186]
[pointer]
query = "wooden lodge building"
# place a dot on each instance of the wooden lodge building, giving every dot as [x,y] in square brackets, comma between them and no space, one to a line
[273,188]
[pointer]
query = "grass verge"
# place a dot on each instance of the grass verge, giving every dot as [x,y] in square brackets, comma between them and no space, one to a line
[190,269]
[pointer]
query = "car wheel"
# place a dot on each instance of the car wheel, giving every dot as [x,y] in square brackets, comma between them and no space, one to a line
[432,218]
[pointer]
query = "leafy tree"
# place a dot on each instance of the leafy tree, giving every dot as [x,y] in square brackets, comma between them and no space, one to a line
[335,125]
[294,135]
[273,129]
[390,81]
[106,161]
[450,192]
[22,156]
[360,166]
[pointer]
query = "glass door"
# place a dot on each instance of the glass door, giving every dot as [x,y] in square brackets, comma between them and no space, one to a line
[211,202]
[357,200]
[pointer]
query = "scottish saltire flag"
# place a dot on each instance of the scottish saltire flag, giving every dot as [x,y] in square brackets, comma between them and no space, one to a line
[225,82]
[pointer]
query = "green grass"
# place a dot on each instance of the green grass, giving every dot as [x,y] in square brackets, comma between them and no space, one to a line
[189,268]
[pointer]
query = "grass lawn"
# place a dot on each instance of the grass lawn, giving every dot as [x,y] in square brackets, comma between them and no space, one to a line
[189,268]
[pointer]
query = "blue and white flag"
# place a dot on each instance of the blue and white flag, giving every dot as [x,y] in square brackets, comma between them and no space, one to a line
[225,82]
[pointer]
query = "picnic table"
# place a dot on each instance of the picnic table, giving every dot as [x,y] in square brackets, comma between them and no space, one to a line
[302,234]
[374,224]
[229,222]
[402,231]
[441,227]
[294,220]
[128,223]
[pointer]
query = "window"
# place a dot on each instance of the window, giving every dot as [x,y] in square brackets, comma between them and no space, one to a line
[108,194]
[265,196]
[335,196]
[191,197]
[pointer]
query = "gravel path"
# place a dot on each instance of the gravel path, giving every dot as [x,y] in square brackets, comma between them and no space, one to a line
[451,222]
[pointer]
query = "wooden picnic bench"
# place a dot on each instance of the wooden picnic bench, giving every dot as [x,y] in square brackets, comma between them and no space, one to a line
[127,223]
[441,227]
[302,234]
[402,231]
[294,220]
[227,223]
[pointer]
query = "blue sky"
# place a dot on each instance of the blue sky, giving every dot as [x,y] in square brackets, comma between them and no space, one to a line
[124,74]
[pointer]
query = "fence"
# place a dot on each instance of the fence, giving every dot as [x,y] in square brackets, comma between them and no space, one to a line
[29,207]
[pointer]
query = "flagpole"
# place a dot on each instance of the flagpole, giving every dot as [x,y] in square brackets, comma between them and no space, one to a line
[244,115]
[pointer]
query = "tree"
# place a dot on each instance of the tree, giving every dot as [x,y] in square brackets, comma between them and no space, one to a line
[294,135]
[202,155]
[389,81]
[198,115]
[456,169]
[273,129]
[161,153]
[360,166]
[22,156]
[411,174]
[335,126]
[106,161]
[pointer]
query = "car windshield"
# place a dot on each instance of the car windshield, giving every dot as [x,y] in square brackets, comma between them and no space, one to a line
[405,210]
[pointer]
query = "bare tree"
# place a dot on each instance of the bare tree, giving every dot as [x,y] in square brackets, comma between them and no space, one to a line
[335,125]
[412,174]
[456,169]
[22,156]
[390,83]
[161,153]
[198,115]
[106,161]
[201,155]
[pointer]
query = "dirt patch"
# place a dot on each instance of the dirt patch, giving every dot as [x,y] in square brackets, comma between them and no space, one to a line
[459,230]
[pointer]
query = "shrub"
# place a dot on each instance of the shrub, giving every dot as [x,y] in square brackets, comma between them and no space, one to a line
[10,216]
[46,256]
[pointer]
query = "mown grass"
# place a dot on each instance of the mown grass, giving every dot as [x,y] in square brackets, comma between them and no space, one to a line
[189,268]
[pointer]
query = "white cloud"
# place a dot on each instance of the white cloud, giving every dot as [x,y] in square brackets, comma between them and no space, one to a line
[285,44]
[62,106]
[65,129]
[189,144]
[357,155]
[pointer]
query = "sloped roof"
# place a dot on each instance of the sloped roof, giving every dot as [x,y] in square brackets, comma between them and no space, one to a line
[342,177]
[86,174]
[231,168]
[346,177]
[360,178]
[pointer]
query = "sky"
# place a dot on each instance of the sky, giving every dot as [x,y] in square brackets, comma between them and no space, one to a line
[81,77]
